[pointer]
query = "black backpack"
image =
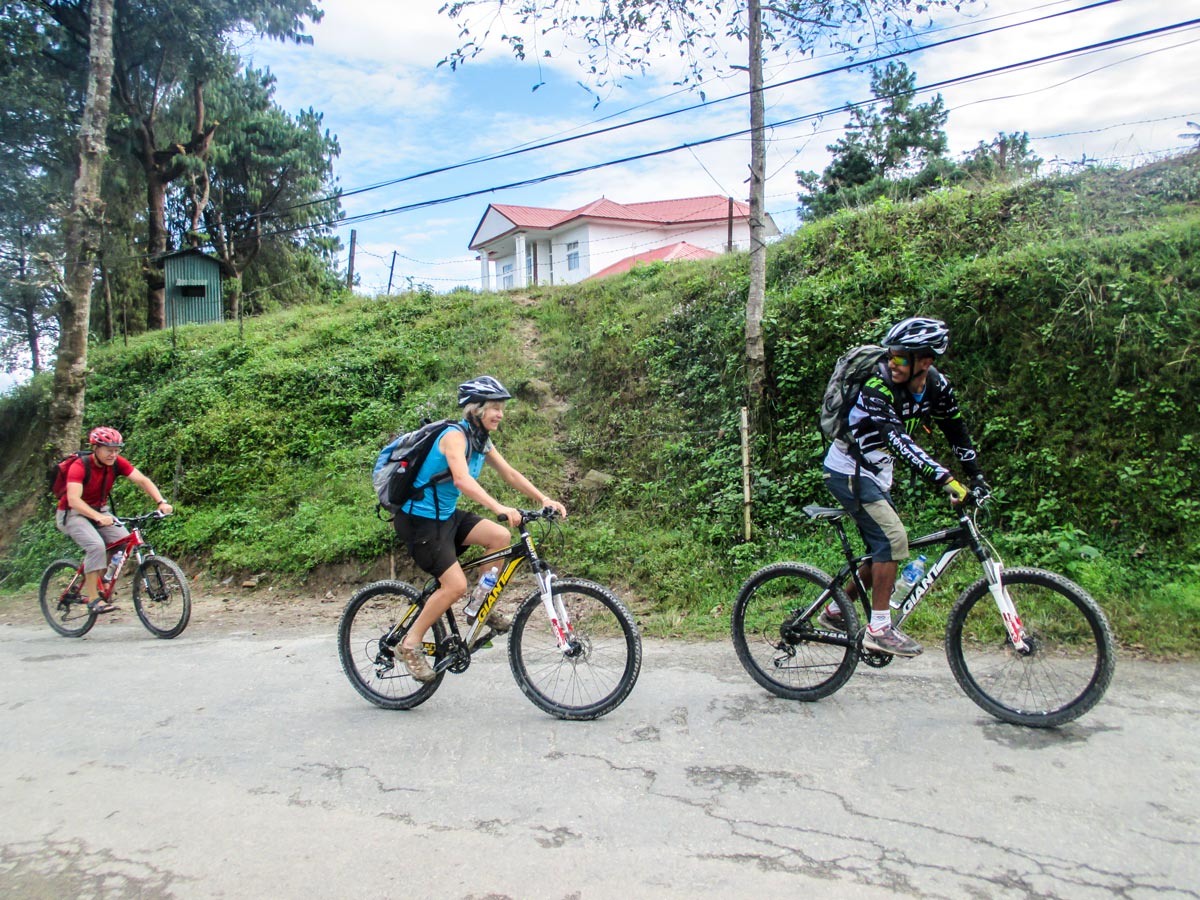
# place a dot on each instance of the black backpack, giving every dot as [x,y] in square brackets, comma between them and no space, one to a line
[398,463]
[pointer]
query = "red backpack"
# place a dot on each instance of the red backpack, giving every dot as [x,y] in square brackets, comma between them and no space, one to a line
[56,477]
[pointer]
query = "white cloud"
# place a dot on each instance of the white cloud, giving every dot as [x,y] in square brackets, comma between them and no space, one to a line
[372,71]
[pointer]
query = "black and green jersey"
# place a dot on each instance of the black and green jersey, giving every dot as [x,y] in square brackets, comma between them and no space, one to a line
[885,419]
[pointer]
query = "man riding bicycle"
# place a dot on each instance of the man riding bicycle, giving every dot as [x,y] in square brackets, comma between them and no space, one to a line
[889,408]
[436,532]
[83,514]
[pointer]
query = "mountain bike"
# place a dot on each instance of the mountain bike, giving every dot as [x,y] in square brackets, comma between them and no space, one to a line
[1028,646]
[573,647]
[161,595]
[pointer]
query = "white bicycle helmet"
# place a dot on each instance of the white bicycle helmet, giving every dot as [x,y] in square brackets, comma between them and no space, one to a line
[918,334]
[481,390]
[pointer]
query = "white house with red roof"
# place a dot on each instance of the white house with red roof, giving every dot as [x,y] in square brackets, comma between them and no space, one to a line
[524,245]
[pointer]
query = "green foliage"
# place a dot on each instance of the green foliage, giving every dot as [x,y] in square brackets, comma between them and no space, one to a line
[1073,308]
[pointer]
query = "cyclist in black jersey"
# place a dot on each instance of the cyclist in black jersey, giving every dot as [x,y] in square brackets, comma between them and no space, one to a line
[906,393]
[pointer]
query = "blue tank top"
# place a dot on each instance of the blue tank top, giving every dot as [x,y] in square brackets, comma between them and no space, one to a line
[441,499]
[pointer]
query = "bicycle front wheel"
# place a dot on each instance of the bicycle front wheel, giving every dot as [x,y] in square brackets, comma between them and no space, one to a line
[1064,670]
[595,671]
[777,638]
[61,597]
[372,663]
[161,597]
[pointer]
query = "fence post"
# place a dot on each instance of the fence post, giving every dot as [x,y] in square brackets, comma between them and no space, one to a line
[746,470]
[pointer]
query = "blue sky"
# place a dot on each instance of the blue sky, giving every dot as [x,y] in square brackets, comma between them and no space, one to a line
[372,70]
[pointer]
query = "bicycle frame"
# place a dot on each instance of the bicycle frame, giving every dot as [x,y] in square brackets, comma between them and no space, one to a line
[514,557]
[965,535]
[132,545]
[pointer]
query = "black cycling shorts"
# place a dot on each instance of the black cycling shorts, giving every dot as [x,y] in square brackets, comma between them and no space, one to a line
[435,544]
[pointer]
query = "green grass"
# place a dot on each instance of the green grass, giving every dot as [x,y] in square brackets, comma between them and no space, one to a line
[1074,305]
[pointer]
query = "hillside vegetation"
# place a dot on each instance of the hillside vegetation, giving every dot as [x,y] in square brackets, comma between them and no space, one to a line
[1074,304]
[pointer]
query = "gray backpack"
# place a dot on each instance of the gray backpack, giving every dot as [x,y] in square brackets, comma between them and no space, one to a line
[849,374]
[394,474]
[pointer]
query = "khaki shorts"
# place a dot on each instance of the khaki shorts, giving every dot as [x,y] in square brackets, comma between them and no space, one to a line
[872,509]
[91,537]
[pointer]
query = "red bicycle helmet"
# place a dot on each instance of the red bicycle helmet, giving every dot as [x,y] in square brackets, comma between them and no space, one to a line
[105,437]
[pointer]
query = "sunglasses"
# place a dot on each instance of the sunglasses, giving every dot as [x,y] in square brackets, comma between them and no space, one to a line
[900,361]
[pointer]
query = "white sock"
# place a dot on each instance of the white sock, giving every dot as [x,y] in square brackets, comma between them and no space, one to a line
[833,607]
[881,620]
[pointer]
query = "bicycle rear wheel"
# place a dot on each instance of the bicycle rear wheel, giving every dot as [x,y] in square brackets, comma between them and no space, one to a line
[371,664]
[778,645]
[61,597]
[161,597]
[598,669]
[1060,676]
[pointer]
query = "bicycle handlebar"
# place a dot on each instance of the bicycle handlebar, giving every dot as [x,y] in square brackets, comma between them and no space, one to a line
[548,513]
[140,520]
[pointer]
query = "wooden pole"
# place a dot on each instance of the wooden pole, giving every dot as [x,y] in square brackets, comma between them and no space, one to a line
[746,469]
[729,225]
[350,268]
[391,272]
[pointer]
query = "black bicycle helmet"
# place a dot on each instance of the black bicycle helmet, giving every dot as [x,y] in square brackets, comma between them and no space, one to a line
[481,390]
[918,334]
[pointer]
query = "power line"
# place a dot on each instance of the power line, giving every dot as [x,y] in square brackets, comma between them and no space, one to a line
[528,148]
[1065,54]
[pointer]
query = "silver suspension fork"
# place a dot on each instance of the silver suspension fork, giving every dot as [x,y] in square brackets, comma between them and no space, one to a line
[994,570]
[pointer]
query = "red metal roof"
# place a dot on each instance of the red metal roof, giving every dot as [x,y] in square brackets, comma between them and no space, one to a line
[681,250]
[655,212]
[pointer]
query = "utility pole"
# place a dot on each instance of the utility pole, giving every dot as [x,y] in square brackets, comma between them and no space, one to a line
[350,268]
[391,271]
[729,236]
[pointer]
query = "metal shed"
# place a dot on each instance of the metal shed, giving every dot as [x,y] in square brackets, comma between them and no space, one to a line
[193,288]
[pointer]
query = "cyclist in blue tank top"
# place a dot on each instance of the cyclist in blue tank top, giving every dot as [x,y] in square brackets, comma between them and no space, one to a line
[436,531]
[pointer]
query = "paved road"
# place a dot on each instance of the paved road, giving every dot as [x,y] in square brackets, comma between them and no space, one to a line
[243,766]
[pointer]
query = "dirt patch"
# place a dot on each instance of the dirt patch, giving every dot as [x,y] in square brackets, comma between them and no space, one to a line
[229,605]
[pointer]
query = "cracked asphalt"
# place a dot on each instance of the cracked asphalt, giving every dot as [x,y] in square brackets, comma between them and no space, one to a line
[243,765]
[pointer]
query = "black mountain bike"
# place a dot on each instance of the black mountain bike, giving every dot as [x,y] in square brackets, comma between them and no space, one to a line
[1027,645]
[573,648]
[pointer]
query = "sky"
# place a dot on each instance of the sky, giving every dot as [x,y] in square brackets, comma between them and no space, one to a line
[372,70]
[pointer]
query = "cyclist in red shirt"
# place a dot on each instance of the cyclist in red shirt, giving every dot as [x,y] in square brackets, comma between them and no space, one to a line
[83,513]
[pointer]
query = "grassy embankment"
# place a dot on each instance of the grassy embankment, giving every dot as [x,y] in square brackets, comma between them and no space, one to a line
[1075,309]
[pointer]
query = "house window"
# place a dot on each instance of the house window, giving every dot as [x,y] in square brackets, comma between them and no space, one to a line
[572,256]
[506,273]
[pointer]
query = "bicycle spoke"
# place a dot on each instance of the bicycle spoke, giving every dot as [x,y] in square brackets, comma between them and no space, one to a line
[61,599]
[777,645]
[595,671]
[1066,666]
[373,667]
[161,597]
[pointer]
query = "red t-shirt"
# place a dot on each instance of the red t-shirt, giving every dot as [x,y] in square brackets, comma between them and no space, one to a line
[97,488]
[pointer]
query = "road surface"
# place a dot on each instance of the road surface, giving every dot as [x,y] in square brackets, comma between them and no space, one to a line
[235,764]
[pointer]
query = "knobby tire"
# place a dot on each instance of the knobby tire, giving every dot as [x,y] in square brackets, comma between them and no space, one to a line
[778,646]
[377,672]
[597,675]
[65,612]
[1071,658]
[161,597]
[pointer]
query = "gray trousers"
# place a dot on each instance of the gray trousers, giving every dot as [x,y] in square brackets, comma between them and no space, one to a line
[90,536]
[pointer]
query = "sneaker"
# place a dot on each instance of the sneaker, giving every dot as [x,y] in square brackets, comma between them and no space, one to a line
[892,641]
[832,619]
[417,666]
